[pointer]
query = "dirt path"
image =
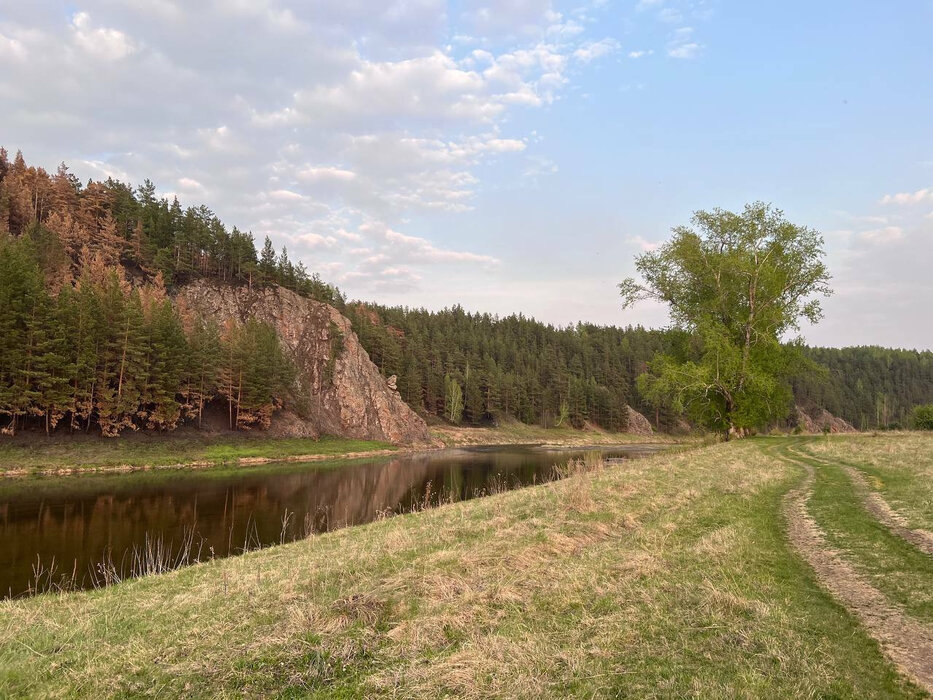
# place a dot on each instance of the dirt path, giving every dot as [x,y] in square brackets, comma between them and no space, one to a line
[880,510]
[887,516]
[907,642]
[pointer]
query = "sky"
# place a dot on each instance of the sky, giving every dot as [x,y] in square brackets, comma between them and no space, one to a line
[511,156]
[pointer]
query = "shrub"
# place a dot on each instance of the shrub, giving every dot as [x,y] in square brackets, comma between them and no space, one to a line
[921,418]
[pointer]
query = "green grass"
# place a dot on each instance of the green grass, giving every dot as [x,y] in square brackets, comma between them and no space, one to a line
[893,566]
[665,577]
[515,432]
[137,451]
[899,467]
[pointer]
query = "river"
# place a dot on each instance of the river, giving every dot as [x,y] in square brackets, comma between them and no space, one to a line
[90,530]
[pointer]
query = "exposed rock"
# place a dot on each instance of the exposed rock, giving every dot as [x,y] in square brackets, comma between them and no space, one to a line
[636,423]
[391,382]
[681,427]
[819,420]
[346,393]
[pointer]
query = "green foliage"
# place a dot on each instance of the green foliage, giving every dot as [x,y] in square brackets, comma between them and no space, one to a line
[453,400]
[109,355]
[921,418]
[738,285]
[132,226]
[511,366]
[871,387]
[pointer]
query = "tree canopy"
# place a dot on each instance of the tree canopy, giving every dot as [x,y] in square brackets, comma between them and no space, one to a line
[738,283]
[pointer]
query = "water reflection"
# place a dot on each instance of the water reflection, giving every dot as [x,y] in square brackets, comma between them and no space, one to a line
[82,531]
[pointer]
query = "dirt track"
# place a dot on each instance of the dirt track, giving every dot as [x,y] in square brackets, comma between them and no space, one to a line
[907,642]
[887,516]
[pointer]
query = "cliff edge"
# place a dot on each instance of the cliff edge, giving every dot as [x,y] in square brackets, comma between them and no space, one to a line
[344,392]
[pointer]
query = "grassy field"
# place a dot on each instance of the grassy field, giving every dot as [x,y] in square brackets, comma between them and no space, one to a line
[898,467]
[151,451]
[893,566]
[511,433]
[666,577]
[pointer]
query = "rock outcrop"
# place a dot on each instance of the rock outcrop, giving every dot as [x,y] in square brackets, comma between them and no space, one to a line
[346,394]
[636,423]
[819,420]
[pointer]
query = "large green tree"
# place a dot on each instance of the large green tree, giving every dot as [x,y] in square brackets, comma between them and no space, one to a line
[738,283]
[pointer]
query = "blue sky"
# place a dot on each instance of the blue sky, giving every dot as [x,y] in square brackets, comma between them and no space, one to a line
[507,156]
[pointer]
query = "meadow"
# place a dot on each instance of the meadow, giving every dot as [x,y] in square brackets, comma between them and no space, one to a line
[716,571]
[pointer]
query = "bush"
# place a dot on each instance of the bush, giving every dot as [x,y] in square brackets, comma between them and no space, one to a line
[921,418]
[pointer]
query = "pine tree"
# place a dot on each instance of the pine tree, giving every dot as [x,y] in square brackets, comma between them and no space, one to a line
[267,262]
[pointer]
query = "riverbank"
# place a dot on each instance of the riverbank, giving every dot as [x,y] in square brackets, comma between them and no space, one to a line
[515,433]
[62,456]
[670,576]
[59,456]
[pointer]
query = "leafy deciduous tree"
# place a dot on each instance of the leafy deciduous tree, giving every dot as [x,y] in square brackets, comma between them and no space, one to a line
[738,282]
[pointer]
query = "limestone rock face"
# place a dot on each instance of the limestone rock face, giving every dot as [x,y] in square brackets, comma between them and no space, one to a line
[637,423]
[346,393]
[820,420]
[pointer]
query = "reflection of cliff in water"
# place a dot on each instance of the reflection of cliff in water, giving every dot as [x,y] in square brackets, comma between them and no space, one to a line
[75,522]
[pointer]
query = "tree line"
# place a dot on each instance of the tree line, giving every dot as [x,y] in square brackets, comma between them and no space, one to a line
[869,386]
[484,367]
[131,227]
[89,337]
[478,367]
[83,261]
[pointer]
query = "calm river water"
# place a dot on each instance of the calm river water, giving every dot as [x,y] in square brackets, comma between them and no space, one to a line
[80,531]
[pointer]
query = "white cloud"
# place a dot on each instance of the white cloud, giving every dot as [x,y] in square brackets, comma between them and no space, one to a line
[325,173]
[301,121]
[285,196]
[102,42]
[885,234]
[190,185]
[414,249]
[644,244]
[682,45]
[12,49]
[640,53]
[924,195]
[596,49]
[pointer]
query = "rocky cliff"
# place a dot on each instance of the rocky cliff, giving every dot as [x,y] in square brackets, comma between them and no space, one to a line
[819,420]
[637,424]
[345,392]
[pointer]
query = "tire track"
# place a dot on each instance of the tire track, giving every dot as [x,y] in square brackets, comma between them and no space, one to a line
[880,509]
[907,642]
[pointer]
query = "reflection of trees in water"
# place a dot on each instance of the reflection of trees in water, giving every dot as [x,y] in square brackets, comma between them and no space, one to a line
[220,516]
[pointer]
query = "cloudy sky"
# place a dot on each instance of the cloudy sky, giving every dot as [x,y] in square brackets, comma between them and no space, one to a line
[508,156]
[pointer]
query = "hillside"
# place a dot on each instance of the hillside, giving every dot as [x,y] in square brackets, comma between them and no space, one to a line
[528,369]
[93,341]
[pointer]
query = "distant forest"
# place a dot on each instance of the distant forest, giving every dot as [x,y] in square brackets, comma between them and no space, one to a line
[89,337]
[538,373]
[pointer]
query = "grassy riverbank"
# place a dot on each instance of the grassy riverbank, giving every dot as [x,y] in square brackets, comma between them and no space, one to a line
[36,454]
[666,577]
[512,433]
[66,455]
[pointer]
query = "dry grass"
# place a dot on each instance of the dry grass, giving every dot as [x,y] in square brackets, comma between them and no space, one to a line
[520,433]
[898,466]
[668,576]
